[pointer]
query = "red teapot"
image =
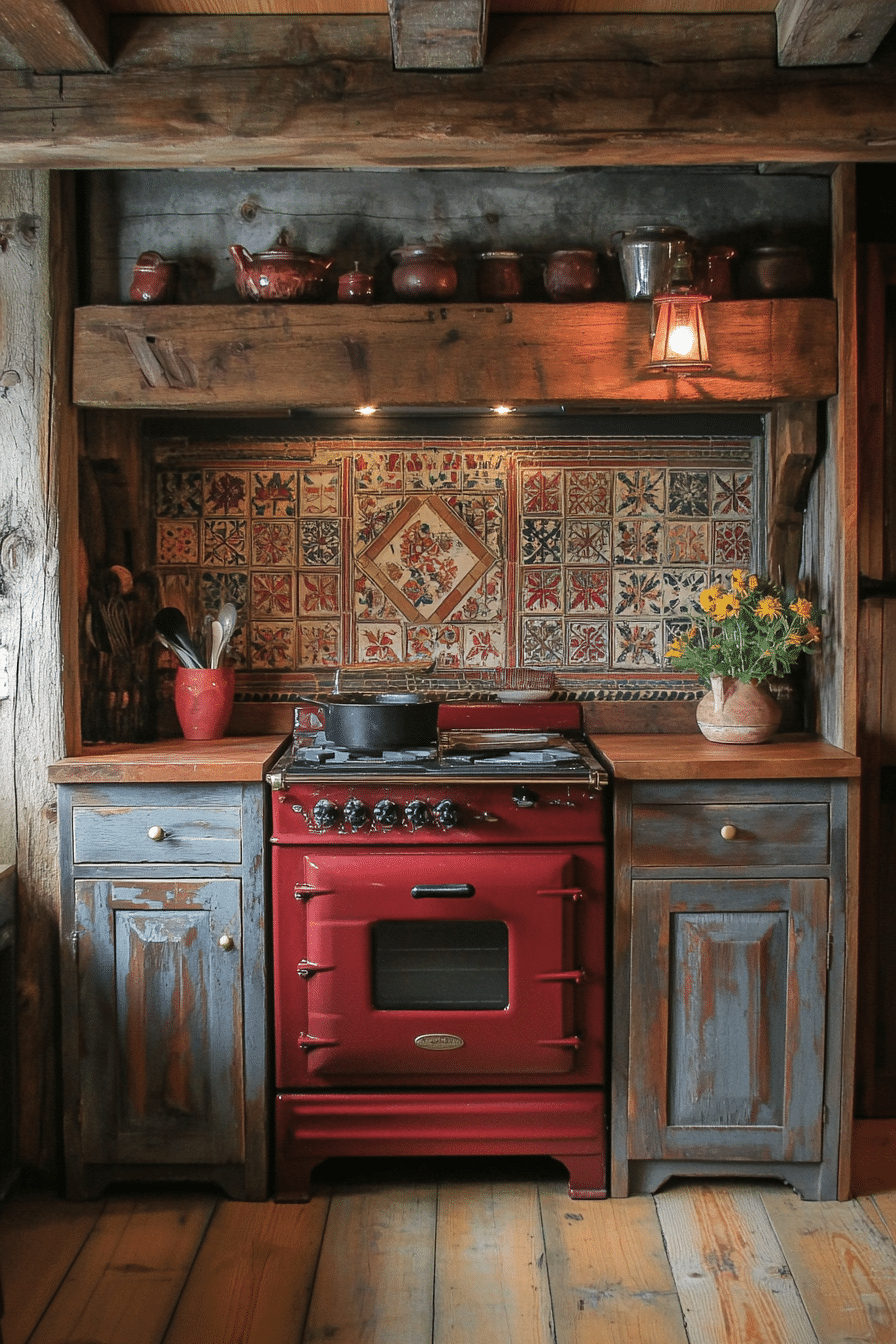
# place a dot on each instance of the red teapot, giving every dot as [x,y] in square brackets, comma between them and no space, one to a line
[281,273]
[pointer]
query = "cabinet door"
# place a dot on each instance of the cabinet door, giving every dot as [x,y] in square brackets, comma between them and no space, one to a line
[160,1031]
[727,1019]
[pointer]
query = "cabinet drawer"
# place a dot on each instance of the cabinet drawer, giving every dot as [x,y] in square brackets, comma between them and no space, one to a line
[690,834]
[188,834]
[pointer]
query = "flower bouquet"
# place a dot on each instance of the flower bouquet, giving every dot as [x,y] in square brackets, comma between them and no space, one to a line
[739,637]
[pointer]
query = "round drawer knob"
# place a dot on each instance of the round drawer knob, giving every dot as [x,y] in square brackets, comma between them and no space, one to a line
[729,832]
[225,942]
[156,833]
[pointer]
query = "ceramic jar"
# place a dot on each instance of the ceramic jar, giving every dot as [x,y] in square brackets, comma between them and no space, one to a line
[571,275]
[717,277]
[281,273]
[734,711]
[203,701]
[776,270]
[499,277]
[355,287]
[423,271]
[155,279]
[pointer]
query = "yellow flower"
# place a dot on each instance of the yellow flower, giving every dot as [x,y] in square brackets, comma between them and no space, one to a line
[725,606]
[794,637]
[692,633]
[708,597]
[753,582]
[768,608]
[813,634]
[737,581]
[674,650]
[802,608]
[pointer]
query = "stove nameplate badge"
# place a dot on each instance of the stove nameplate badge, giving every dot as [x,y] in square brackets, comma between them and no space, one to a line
[439,1041]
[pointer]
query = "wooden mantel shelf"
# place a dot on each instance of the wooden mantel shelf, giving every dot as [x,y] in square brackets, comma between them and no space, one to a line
[251,358]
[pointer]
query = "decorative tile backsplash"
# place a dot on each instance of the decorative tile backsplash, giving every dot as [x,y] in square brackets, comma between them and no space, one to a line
[582,556]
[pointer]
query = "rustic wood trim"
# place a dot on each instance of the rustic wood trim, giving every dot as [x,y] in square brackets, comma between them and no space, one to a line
[815,32]
[626,100]
[621,980]
[438,34]
[237,357]
[793,450]
[844,1122]
[52,36]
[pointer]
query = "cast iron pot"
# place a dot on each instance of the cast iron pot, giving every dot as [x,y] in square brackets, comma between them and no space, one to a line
[378,722]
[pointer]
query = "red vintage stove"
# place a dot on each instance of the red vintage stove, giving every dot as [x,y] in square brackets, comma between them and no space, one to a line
[439,946]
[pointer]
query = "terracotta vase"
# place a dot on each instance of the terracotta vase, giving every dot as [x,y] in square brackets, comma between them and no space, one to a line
[740,712]
[203,699]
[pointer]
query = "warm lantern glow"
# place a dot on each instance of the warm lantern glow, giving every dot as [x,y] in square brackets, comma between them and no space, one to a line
[367,410]
[503,410]
[680,344]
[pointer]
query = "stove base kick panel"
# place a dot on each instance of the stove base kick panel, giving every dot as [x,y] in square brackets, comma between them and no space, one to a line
[567,1126]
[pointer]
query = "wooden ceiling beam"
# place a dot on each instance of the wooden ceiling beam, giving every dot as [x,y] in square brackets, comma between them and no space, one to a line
[548,97]
[818,32]
[438,34]
[53,37]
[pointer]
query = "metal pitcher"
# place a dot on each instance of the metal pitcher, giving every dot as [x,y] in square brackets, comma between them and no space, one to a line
[647,256]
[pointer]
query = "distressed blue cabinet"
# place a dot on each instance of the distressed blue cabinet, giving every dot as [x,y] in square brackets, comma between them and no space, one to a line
[163,972]
[729,999]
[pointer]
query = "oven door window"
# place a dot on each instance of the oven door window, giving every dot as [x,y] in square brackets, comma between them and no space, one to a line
[440,964]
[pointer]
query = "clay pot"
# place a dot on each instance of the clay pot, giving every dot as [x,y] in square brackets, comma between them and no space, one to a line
[777,270]
[155,279]
[279,274]
[571,276]
[355,287]
[740,712]
[499,277]
[203,700]
[716,277]
[423,271]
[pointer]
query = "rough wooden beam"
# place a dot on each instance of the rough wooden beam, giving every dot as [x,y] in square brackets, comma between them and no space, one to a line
[554,93]
[818,32]
[52,37]
[793,452]
[238,356]
[438,34]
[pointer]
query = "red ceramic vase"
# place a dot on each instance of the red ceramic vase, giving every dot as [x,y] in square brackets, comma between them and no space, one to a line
[203,699]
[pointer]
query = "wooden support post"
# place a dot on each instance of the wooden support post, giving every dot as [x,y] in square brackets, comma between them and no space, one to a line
[438,34]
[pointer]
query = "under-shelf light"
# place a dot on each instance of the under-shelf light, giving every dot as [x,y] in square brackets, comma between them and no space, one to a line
[366,410]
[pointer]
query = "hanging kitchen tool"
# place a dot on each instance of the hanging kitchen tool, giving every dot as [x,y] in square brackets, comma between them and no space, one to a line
[171,624]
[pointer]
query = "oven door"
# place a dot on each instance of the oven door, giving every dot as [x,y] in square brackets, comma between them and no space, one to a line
[435,964]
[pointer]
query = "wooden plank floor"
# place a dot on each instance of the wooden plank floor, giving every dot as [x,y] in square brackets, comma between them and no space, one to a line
[442,1252]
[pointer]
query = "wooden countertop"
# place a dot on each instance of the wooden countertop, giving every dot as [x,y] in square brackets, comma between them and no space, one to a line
[690,756]
[229,760]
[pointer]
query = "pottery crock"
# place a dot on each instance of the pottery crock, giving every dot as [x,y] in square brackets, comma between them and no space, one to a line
[203,700]
[571,275]
[280,273]
[423,271]
[155,279]
[499,276]
[740,712]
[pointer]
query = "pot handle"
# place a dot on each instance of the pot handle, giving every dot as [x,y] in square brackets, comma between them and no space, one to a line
[617,233]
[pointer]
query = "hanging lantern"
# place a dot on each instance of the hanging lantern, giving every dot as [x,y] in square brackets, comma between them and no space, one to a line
[679,343]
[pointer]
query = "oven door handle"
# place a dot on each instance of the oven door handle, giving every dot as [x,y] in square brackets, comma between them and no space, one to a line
[564,893]
[452,891]
[578,977]
[567,1042]
[304,891]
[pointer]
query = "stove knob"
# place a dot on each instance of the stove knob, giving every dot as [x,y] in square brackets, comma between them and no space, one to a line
[416,814]
[355,813]
[326,814]
[386,813]
[446,814]
[524,797]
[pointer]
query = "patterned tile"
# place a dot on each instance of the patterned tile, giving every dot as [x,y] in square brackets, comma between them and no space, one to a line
[319,644]
[542,590]
[272,594]
[318,593]
[427,559]
[178,494]
[542,492]
[373,514]
[225,493]
[379,643]
[542,643]
[732,494]
[370,602]
[682,589]
[272,645]
[228,585]
[442,643]
[483,514]
[320,542]
[640,493]
[379,471]
[274,494]
[541,541]
[484,646]
[732,544]
[674,629]
[426,470]
[224,541]
[637,644]
[688,494]
[588,591]
[485,600]
[588,542]
[589,494]
[588,644]
[637,592]
[687,543]
[638,541]
[484,471]
[272,544]
[177,542]
[319,491]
